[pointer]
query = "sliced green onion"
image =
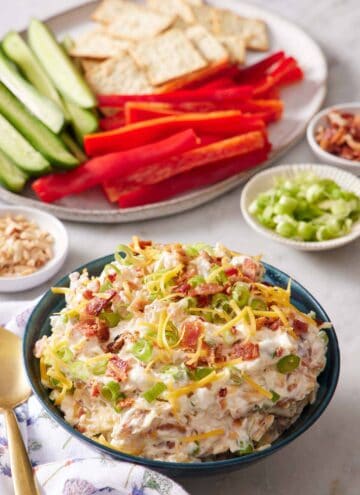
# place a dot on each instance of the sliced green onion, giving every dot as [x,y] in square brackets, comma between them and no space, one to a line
[258,304]
[111,392]
[79,371]
[275,396]
[236,376]
[324,336]
[106,285]
[196,280]
[191,302]
[142,350]
[286,228]
[124,255]
[171,333]
[221,301]
[240,294]
[196,449]
[288,363]
[199,373]
[154,392]
[99,367]
[111,318]
[65,354]
[285,206]
[195,249]
[177,372]
[306,231]
[245,449]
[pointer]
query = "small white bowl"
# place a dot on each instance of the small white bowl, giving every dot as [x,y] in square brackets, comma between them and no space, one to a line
[263,181]
[324,156]
[60,247]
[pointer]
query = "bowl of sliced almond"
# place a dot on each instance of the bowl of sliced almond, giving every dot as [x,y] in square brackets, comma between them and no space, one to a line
[33,247]
[334,136]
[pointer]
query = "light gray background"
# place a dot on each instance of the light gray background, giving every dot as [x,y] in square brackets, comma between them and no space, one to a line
[326,459]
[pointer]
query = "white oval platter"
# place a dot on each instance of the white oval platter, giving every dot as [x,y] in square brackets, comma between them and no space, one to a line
[302,102]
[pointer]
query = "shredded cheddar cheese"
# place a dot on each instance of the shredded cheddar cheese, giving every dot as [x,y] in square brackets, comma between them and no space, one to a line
[204,436]
[256,386]
[212,377]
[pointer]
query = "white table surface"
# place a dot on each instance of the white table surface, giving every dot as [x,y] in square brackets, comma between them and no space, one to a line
[326,459]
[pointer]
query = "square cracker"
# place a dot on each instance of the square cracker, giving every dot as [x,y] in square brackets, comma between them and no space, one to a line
[195,3]
[118,75]
[205,15]
[89,63]
[206,43]
[236,47]
[98,44]
[254,31]
[131,21]
[168,56]
[170,7]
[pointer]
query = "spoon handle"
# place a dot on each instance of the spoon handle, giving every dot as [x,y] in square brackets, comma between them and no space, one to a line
[22,473]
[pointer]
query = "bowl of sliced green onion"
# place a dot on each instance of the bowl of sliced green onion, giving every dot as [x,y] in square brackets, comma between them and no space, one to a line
[306,206]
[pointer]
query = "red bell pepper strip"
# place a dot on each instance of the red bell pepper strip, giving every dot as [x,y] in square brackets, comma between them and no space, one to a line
[54,186]
[193,179]
[226,123]
[258,70]
[217,83]
[192,159]
[113,121]
[275,78]
[138,112]
[196,77]
[235,74]
[247,106]
[294,75]
[237,93]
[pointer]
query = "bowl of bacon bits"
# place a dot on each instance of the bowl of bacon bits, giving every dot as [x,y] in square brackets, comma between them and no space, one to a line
[334,136]
[33,247]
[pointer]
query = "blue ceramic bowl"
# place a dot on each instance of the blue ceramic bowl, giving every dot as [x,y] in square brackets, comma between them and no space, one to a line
[39,325]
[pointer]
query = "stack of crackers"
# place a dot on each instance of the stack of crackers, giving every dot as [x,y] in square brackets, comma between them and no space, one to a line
[161,44]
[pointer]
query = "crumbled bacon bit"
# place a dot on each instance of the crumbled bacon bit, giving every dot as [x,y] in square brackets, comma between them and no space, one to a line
[341,135]
[88,294]
[261,322]
[124,403]
[192,331]
[250,269]
[117,368]
[93,327]
[171,426]
[112,277]
[276,324]
[222,392]
[279,351]
[182,288]
[300,326]
[116,345]
[143,244]
[95,390]
[97,304]
[206,289]
[202,301]
[245,350]
[231,271]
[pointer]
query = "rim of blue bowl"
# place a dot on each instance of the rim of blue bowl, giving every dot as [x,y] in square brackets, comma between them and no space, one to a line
[196,466]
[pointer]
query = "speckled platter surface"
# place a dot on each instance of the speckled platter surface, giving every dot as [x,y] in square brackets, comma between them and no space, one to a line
[302,101]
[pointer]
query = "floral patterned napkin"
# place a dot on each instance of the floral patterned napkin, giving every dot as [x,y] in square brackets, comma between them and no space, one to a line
[64,465]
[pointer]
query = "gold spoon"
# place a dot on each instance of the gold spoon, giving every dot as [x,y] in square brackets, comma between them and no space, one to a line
[14,390]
